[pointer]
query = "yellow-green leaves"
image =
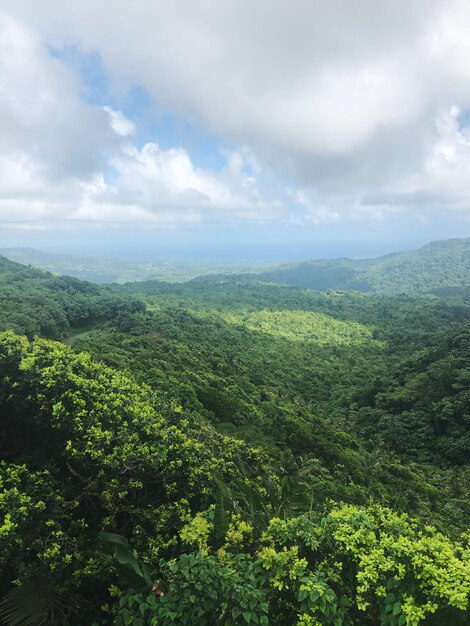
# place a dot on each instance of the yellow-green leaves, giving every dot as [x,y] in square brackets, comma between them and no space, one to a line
[421,568]
[357,565]
[196,533]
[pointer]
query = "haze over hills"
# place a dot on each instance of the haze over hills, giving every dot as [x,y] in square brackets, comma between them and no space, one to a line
[436,266]
[107,269]
[440,267]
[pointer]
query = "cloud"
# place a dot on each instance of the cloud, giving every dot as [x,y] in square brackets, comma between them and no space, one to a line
[442,179]
[119,123]
[152,185]
[63,160]
[353,110]
[315,77]
[41,113]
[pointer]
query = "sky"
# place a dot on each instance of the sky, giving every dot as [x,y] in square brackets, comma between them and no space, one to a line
[220,128]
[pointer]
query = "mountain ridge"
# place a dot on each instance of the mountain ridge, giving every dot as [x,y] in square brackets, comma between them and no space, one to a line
[437,265]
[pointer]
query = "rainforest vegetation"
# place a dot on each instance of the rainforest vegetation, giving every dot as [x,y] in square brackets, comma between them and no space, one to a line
[237,449]
[438,265]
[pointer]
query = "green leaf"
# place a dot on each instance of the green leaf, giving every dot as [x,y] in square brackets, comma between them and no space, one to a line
[124,555]
[397,608]
[314,595]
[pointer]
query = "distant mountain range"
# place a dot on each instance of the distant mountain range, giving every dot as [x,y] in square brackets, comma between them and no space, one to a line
[93,269]
[441,267]
[99,269]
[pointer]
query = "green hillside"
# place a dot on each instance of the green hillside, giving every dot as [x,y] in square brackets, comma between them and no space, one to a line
[230,453]
[437,266]
[35,302]
[423,406]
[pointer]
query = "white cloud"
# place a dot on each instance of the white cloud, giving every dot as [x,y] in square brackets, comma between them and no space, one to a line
[41,112]
[119,122]
[358,104]
[155,185]
[315,77]
[442,179]
[63,160]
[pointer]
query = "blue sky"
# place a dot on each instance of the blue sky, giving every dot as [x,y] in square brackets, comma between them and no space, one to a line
[153,122]
[250,132]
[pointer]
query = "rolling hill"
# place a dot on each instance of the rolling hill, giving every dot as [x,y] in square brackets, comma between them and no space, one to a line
[440,265]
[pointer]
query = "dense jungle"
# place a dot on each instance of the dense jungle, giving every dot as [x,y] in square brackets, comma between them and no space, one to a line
[281,447]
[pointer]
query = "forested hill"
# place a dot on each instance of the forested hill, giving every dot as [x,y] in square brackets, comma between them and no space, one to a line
[35,302]
[229,454]
[438,265]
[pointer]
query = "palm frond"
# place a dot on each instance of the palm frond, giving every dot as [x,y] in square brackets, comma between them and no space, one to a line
[36,603]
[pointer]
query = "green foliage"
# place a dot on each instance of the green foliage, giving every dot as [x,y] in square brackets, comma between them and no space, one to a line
[303,326]
[353,566]
[438,265]
[404,321]
[301,383]
[102,454]
[423,409]
[117,547]
[196,476]
[35,603]
[33,302]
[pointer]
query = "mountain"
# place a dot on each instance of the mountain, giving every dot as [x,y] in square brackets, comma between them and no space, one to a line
[100,269]
[83,267]
[35,302]
[440,265]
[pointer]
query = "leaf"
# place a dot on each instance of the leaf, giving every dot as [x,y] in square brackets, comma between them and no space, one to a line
[35,602]
[122,552]
[314,596]
[221,520]
[397,608]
